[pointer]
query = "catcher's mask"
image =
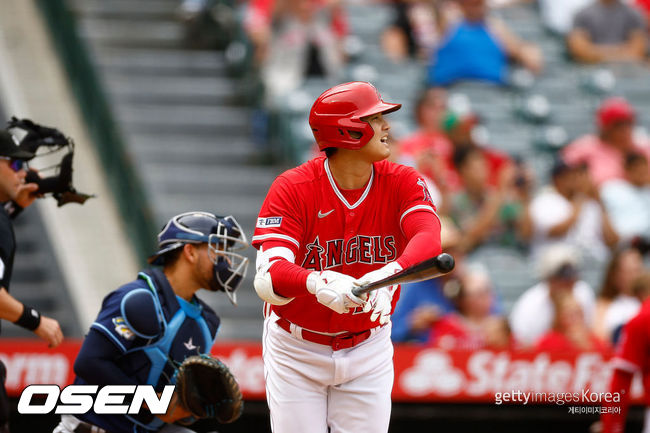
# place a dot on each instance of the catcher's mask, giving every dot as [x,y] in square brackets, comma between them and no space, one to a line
[54,176]
[224,237]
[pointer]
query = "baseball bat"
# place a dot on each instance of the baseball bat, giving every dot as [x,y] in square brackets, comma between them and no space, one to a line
[425,270]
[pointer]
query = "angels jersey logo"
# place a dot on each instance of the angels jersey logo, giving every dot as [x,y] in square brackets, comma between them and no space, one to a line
[359,249]
[425,190]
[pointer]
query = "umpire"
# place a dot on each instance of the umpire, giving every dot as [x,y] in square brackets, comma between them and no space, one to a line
[16,195]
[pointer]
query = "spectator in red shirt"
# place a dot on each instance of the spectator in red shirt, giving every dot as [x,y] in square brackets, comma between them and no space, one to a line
[605,153]
[570,332]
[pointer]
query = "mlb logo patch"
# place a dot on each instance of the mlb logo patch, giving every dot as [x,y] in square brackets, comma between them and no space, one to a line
[265,223]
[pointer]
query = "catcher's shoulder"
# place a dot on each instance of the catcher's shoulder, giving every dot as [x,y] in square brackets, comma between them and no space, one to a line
[210,316]
[119,293]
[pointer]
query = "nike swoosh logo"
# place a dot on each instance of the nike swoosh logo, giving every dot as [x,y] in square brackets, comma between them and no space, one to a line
[323,215]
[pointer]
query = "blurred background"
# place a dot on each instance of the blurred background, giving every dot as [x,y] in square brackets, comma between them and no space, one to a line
[528,118]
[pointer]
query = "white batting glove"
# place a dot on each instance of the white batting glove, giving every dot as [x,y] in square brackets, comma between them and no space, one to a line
[379,301]
[379,274]
[334,290]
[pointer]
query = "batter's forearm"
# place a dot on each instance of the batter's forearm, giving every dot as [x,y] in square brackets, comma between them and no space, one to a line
[289,279]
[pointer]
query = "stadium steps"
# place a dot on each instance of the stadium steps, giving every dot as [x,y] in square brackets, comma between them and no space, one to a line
[186,129]
[159,63]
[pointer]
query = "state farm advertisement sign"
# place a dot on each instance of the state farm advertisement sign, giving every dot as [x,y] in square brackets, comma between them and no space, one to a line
[459,376]
[31,362]
[422,375]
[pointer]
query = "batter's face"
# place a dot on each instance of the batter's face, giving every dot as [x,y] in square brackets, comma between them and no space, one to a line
[10,180]
[377,148]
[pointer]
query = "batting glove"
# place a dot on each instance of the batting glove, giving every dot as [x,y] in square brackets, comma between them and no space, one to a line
[380,274]
[379,301]
[334,290]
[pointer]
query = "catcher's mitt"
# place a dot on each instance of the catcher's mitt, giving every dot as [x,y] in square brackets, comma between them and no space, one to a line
[207,389]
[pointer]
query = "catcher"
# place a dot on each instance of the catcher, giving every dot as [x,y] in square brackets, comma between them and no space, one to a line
[155,331]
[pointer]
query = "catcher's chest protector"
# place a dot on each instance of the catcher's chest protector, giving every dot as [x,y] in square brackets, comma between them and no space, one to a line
[162,350]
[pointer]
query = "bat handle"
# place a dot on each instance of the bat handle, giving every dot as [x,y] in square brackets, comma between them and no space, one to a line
[360,290]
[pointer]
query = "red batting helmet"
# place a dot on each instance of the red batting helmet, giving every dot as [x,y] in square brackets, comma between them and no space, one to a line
[339,110]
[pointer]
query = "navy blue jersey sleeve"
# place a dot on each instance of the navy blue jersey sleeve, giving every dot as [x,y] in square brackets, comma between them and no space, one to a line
[110,321]
[95,362]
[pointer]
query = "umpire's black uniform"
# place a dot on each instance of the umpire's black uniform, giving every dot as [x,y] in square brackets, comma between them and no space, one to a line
[9,151]
[7,250]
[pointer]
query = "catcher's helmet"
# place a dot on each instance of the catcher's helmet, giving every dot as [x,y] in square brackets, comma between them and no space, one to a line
[223,235]
[339,110]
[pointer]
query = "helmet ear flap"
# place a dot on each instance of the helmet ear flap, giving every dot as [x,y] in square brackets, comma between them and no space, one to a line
[340,109]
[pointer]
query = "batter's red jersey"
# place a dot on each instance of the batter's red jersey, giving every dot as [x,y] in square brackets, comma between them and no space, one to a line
[306,210]
[633,352]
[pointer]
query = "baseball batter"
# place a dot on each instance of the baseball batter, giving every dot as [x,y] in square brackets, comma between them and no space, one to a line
[333,223]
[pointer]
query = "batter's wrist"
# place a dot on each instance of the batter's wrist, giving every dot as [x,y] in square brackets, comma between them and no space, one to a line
[312,279]
[393,267]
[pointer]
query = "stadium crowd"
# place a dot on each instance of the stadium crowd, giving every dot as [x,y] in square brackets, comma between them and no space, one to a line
[589,209]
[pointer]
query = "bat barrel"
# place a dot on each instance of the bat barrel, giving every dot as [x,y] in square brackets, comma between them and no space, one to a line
[446,262]
[431,268]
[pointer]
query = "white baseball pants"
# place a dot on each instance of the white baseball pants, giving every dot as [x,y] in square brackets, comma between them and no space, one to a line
[310,387]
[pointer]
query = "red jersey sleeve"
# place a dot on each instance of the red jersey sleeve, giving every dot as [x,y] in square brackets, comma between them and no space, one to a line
[414,195]
[418,219]
[280,216]
[629,358]
[633,346]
